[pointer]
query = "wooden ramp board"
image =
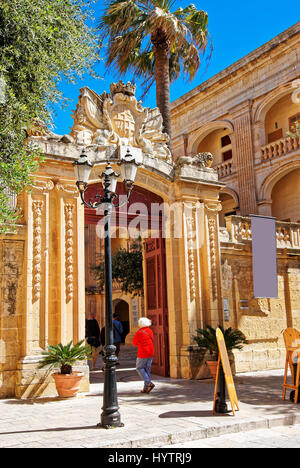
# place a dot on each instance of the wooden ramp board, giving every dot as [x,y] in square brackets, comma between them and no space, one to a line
[223,358]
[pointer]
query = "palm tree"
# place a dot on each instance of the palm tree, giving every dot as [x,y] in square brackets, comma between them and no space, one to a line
[145,37]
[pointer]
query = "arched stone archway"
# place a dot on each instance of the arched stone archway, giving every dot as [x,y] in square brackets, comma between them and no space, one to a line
[285,197]
[261,110]
[265,191]
[196,138]
[269,182]
[50,305]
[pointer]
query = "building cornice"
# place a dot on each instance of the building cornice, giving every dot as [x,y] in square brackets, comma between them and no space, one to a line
[237,66]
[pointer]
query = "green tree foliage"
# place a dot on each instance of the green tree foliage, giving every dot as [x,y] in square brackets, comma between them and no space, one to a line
[127,269]
[41,42]
[147,38]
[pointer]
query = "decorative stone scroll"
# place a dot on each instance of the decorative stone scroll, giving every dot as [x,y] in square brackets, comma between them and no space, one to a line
[69,242]
[43,185]
[70,189]
[213,246]
[37,208]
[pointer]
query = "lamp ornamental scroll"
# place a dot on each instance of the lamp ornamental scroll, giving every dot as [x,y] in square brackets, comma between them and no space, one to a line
[128,164]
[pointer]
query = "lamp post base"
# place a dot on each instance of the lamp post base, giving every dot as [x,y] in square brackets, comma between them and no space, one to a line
[110,425]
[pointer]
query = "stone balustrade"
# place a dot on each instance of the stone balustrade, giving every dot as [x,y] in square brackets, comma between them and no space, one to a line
[239,231]
[280,148]
[224,169]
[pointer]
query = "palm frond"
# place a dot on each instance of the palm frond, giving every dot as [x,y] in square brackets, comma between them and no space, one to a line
[206,338]
[62,355]
[126,27]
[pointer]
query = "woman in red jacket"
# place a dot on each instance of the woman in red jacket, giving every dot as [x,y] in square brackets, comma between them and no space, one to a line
[143,339]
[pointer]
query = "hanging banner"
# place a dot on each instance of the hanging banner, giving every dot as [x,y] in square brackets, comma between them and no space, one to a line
[264,257]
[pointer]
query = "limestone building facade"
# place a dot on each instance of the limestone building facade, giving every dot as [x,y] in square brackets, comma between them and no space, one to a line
[243,116]
[202,276]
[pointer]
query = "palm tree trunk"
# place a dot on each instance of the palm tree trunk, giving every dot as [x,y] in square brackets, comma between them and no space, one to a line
[161,51]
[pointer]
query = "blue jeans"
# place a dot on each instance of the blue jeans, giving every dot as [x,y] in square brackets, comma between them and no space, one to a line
[143,367]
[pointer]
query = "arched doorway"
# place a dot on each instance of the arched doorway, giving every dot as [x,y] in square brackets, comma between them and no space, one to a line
[121,308]
[138,218]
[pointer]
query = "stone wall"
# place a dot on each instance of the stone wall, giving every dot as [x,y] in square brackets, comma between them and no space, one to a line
[11,287]
[261,320]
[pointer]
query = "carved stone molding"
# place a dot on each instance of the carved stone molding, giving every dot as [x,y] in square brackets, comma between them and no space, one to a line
[70,189]
[69,242]
[37,209]
[43,186]
[213,206]
[213,247]
[190,224]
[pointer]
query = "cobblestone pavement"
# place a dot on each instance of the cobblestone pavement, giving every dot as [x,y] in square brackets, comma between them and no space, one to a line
[278,437]
[176,411]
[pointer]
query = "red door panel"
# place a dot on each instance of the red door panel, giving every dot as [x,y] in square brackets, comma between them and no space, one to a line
[156,303]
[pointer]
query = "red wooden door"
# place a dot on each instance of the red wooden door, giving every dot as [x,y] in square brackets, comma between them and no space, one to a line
[156,303]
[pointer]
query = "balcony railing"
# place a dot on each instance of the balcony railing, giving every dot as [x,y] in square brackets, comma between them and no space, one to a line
[224,169]
[287,234]
[280,148]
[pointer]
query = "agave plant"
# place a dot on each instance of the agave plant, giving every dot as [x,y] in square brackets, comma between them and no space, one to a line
[65,356]
[206,338]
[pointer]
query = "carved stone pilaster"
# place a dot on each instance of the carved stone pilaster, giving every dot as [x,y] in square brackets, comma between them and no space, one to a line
[190,223]
[213,247]
[69,242]
[37,208]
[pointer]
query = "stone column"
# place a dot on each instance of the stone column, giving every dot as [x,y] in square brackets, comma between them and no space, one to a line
[213,312]
[265,207]
[71,263]
[244,158]
[34,319]
[54,296]
[194,286]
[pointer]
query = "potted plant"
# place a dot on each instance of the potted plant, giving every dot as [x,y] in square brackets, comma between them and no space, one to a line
[206,339]
[67,382]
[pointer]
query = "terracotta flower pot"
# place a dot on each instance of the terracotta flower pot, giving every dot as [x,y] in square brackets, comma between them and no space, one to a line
[67,385]
[213,365]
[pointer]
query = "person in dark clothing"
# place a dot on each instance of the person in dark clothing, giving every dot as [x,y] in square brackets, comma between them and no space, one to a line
[118,330]
[92,334]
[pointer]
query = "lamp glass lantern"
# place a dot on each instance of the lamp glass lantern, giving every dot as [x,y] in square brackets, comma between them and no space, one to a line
[128,169]
[83,167]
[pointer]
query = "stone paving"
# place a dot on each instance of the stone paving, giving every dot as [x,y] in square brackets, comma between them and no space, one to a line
[175,412]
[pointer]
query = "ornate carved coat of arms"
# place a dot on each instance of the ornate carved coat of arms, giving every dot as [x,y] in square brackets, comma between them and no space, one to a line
[117,119]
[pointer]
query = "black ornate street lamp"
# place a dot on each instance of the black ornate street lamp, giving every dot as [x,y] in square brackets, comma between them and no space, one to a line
[110,416]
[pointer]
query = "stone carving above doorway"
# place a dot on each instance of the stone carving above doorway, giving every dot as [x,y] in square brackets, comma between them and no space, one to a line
[116,119]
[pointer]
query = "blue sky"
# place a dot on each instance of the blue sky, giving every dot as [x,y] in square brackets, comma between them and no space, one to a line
[236,28]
